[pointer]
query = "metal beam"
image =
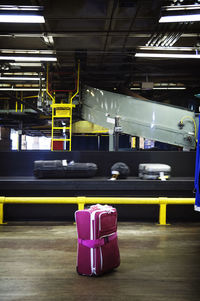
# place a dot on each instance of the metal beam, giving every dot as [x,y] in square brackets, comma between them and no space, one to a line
[71,34]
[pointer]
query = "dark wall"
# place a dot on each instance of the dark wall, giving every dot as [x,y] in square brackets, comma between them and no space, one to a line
[21,163]
[98,143]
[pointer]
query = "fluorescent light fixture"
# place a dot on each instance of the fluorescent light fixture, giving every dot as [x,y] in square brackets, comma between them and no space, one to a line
[161,48]
[180,13]
[48,39]
[26,51]
[21,89]
[20,8]
[181,18]
[163,88]
[21,19]
[168,55]
[169,88]
[21,78]
[26,64]
[28,58]
[21,14]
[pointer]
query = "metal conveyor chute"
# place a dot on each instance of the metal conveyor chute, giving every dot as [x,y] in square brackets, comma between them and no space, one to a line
[144,118]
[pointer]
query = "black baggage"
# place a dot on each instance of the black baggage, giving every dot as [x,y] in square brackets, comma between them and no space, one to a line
[62,169]
[119,171]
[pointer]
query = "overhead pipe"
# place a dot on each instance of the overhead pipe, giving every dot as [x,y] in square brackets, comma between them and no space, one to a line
[47,85]
[78,83]
[32,96]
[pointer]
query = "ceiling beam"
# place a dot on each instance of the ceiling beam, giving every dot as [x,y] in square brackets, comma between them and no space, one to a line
[71,34]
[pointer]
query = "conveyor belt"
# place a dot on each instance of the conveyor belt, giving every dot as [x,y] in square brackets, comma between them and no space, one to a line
[98,186]
[101,185]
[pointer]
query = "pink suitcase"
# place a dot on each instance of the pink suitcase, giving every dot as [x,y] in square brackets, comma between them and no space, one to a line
[98,250]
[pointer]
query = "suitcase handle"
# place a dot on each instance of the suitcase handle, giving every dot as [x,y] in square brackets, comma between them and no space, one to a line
[96,243]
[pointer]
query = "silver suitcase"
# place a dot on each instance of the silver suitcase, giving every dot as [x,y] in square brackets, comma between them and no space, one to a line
[154,171]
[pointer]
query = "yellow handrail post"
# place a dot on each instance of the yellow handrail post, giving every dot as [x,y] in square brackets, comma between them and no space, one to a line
[1,210]
[21,100]
[47,85]
[163,211]
[81,202]
[16,104]
[78,83]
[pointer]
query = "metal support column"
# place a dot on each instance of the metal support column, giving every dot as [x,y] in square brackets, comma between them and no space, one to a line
[20,136]
[111,141]
[197,173]
[116,136]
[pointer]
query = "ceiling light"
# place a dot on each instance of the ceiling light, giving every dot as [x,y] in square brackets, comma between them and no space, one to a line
[183,18]
[48,39]
[160,48]
[21,19]
[27,51]
[21,78]
[180,13]
[21,89]
[162,88]
[21,14]
[28,58]
[20,8]
[169,88]
[26,64]
[167,55]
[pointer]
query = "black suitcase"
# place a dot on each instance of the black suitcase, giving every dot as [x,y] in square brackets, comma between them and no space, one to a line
[62,169]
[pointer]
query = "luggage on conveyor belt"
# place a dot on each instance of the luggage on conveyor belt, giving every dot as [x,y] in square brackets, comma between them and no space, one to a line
[119,171]
[154,171]
[62,169]
[98,250]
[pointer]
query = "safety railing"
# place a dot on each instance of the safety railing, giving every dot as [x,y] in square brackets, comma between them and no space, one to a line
[81,201]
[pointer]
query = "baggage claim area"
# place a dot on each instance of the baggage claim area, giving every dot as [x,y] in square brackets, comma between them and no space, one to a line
[99,150]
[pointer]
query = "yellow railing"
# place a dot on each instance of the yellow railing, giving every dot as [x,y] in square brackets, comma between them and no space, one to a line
[162,202]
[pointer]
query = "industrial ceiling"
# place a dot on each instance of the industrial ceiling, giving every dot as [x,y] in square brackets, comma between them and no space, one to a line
[104,36]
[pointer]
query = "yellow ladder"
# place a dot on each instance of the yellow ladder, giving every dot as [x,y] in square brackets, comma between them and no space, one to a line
[62,113]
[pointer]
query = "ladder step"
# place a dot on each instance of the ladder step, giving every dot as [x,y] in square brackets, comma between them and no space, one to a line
[61,128]
[60,139]
[62,117]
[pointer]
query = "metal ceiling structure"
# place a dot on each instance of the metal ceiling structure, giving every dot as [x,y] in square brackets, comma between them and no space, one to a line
[104,36]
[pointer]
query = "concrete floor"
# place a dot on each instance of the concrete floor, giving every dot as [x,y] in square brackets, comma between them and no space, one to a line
[38,262]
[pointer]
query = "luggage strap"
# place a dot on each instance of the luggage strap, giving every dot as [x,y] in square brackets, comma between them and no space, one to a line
[96,243]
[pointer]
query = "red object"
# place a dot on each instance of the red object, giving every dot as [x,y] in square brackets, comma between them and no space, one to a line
[58,145]
[98,250]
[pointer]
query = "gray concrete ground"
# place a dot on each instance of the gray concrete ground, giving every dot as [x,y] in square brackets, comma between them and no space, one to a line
[38,262]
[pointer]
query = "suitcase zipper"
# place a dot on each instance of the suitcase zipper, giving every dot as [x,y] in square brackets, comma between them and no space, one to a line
[92,259]
[93,237]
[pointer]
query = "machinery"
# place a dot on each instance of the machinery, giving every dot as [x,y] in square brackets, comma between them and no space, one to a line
[137,117]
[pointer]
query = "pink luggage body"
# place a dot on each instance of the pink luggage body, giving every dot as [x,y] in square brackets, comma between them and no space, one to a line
[98,250]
